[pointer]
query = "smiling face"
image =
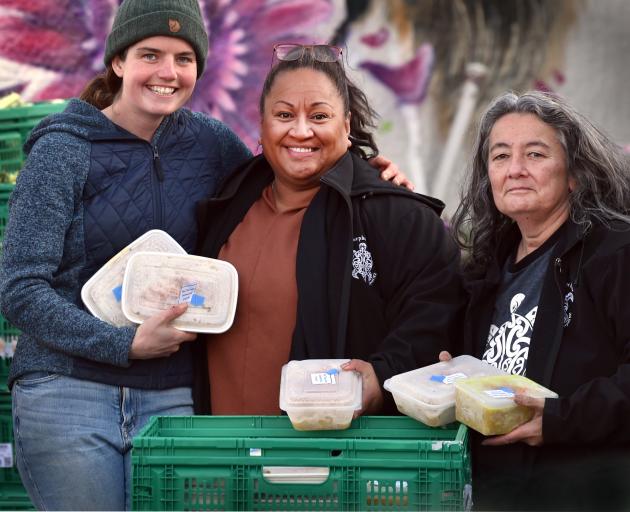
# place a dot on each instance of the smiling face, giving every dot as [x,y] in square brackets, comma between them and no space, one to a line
[158,77]
[528,170]
[304,128]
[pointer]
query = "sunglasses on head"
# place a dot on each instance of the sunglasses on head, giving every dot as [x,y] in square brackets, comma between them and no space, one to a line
[320,52]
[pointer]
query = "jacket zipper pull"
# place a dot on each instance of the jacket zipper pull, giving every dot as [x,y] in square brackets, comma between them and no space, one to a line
[157,164]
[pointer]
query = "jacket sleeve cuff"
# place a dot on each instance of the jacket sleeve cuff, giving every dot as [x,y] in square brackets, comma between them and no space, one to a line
[128,335]
[552,425]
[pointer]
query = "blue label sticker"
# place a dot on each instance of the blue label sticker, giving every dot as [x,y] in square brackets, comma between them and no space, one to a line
[197,300]
[332,371]
[186,293]
[507,389]
[117,293]
[437,378]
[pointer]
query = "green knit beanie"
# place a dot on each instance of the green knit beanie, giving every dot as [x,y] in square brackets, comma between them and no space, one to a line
[140,19]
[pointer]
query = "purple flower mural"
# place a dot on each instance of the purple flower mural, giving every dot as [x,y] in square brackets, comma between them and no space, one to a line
[242,35]
[52,48]
[409,81]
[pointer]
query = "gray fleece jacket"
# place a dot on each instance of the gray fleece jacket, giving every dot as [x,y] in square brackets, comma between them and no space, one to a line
[58,233]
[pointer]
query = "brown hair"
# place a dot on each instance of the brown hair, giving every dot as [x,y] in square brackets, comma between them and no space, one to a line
[104,87]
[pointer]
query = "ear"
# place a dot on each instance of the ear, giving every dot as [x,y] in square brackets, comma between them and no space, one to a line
[117,66]
[572,184]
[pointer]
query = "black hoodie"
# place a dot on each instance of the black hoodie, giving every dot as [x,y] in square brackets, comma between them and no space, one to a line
[580,348]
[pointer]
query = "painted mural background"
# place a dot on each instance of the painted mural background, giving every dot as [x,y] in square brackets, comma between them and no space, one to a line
[428,66]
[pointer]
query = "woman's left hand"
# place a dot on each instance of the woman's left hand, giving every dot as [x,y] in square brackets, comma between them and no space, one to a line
[372,402]
[529,433]
[390,171]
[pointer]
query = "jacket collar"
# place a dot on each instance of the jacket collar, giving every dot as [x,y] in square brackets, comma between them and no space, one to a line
[572,235]
[352,176]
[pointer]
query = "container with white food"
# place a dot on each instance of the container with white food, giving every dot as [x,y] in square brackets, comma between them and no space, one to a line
[102,293]
[427,394]
[155,282]
[318,395]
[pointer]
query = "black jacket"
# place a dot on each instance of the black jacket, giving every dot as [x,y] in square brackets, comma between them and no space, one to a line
[580,348]
[397,313]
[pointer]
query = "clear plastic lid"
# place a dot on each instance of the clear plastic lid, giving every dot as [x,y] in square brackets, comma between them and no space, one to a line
[498,391]
[433,384]
[319,383]
[157,281]
[102,293]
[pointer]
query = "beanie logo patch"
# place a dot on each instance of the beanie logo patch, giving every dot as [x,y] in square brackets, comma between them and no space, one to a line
[174,25]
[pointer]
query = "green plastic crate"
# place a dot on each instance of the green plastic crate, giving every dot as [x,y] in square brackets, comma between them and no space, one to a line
[5,365]
[14,497]
[9,336]
[16,124]
[5,193]
[23,119]
[223,463]
[10,155]
[8,470]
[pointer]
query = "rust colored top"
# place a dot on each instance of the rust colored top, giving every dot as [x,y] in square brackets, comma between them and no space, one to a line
[246,361]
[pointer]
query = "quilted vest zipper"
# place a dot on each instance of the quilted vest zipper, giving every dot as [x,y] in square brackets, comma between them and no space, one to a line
[157,166]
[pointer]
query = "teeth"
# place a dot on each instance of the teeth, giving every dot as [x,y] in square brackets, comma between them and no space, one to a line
[302,150]
[162,90]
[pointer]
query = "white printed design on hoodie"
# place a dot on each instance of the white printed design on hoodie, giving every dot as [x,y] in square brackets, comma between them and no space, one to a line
[362,262]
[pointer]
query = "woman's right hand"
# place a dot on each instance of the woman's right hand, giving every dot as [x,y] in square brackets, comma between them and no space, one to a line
[156,337]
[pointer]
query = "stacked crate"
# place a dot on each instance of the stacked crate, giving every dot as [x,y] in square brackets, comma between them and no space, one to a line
[13,496]
[16,124]
[263,463]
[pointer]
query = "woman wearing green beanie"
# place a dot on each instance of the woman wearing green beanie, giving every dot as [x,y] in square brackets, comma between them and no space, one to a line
[124,159]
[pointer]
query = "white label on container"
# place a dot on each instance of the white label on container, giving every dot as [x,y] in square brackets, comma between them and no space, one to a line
[187,292]
[329,377]
[6,455]
[448,379]
[500,393]
[255,452]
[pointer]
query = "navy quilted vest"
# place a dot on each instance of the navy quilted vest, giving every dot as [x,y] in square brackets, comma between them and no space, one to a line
[134,186]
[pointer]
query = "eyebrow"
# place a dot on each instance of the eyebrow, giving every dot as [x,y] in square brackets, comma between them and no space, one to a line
[157,50]
[314,104]
[527,145]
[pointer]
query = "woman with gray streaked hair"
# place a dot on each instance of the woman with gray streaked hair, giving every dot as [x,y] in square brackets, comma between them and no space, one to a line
[545,221]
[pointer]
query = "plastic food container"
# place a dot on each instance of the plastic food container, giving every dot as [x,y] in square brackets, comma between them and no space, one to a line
[318,395]
[102,293]
[486,403]
[156,281]
[428,394]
